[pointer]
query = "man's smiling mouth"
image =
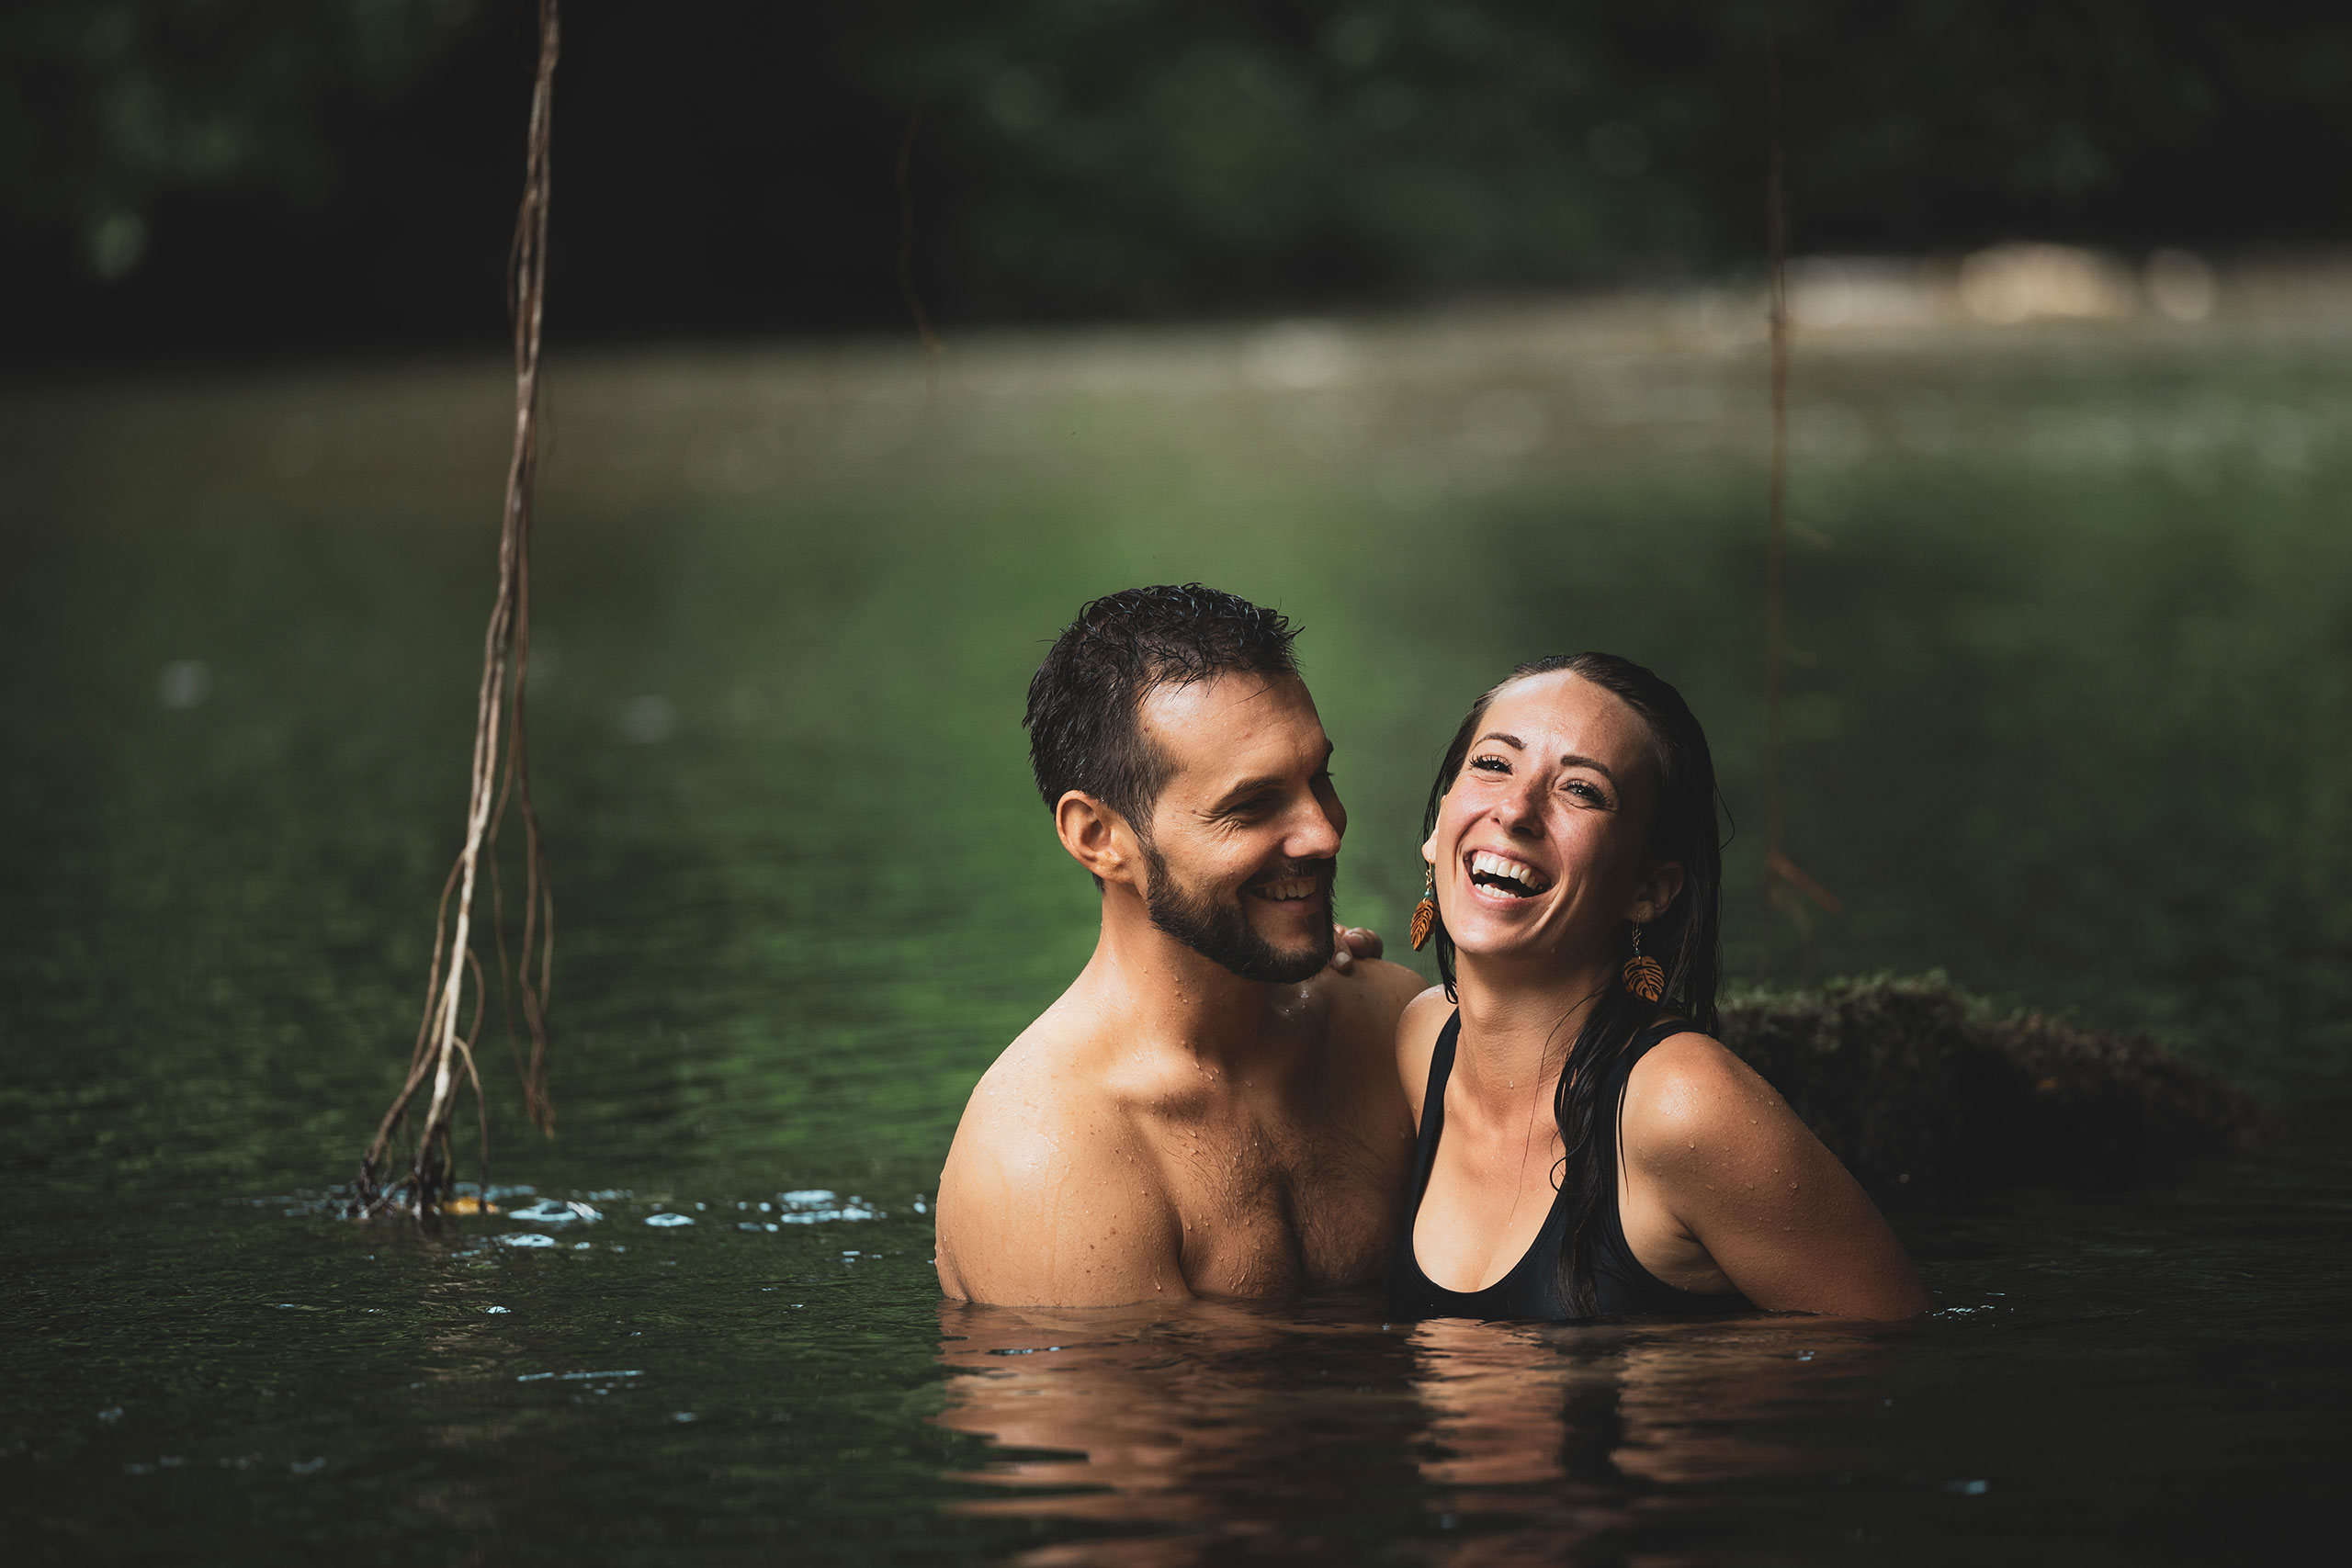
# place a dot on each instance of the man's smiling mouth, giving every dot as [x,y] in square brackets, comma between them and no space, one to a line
[1288,889]
[1513,878]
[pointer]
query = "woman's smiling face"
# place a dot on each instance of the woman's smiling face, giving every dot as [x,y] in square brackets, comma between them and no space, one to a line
[1539,848]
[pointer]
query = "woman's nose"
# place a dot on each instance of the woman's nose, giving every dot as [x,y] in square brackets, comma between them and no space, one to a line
[1520,811]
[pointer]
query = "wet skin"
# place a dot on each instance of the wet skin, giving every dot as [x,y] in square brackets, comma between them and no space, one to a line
[1168,1128]
[1540,856]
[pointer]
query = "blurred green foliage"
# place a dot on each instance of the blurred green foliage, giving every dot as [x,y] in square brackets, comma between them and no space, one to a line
[1143,154]
[107,108]
[308,171]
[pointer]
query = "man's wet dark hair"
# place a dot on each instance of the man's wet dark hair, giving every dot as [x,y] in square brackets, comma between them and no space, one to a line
[1085,719]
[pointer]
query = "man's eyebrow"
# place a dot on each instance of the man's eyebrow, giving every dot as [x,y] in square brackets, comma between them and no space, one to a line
[1248,787]
[1241,791]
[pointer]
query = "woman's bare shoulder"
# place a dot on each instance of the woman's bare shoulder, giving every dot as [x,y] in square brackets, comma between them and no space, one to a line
[1725,1155]
[1688,1072]
[1691,1091]
[1416,1033]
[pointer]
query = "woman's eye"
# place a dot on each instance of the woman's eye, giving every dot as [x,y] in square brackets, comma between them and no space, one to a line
[1491,764]
[1586,793]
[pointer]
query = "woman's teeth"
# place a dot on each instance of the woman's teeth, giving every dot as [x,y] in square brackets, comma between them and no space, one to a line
[1507,876]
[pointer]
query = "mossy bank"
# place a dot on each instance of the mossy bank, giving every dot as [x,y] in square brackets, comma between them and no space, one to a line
[1914,1083]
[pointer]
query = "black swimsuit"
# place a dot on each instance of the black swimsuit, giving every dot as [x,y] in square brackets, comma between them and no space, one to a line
[1534,1287]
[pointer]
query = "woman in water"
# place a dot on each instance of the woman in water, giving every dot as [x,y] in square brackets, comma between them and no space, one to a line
[1586,1148]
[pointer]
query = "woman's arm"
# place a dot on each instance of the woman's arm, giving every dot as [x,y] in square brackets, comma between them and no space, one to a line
[1722,1153]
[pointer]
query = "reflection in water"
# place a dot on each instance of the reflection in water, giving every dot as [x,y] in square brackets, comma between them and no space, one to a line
[1542,1438]
[1175,1437]
[1210,1426]
[1521,1431]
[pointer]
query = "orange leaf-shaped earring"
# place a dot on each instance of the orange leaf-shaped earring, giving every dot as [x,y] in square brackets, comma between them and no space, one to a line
[1644,976]
[1425,912]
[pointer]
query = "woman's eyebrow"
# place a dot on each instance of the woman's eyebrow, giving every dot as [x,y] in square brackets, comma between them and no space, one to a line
[1576,760]
[1572,759]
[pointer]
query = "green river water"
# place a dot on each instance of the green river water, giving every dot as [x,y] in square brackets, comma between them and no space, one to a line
[2072,619]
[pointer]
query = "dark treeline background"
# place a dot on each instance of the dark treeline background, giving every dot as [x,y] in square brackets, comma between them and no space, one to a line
[267,176]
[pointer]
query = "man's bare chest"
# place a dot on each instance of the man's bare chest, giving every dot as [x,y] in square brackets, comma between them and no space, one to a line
[1271,1208]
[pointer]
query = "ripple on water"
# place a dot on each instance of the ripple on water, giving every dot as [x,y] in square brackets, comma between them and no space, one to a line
[818,1205]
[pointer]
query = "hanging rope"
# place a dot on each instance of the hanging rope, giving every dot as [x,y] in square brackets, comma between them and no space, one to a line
[443,1054]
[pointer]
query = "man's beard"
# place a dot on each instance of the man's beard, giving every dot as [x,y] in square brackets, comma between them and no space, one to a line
[1222,934]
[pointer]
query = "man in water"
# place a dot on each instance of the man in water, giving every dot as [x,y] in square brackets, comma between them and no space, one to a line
[1208,1110]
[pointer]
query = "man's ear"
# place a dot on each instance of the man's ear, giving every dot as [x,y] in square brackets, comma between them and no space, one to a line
[1655,893]
[1098,838]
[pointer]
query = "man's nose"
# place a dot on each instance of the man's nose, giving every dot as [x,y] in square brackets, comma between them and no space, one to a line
[1315,833]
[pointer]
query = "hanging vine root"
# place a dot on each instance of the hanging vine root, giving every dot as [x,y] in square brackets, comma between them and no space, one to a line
[442,1055]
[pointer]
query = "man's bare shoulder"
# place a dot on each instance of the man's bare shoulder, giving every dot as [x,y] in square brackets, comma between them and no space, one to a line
[1359,1073]
[1048,1197]
[1040,1081]
[1040,1112]
[1365,1002]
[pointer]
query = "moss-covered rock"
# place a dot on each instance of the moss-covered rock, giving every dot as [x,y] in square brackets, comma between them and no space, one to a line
[1914,1082]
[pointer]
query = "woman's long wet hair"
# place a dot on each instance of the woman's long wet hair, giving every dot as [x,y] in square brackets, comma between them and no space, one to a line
[1687,939]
